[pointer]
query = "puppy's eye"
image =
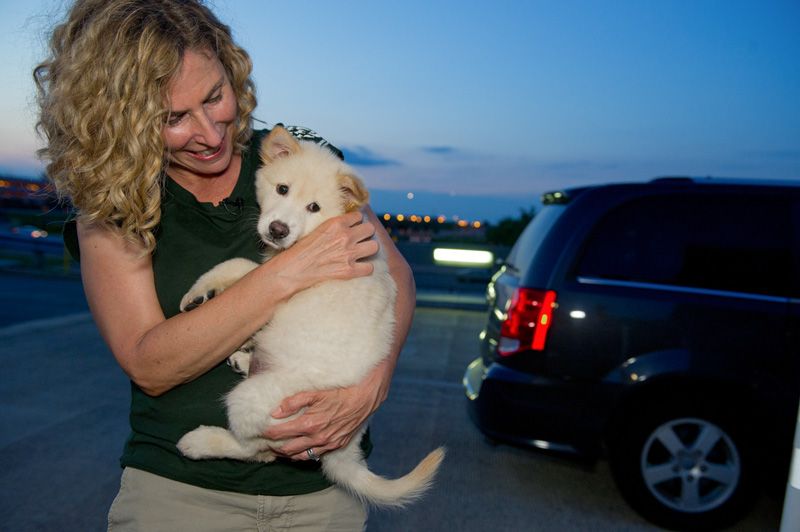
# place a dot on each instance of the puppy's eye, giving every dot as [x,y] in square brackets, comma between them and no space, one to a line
[282,189]
[312,207]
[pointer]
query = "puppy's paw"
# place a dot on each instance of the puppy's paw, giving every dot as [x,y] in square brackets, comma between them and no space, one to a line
[194,444]
[192,300]
[215,281]
[265,456]
[240,362]
[217,442]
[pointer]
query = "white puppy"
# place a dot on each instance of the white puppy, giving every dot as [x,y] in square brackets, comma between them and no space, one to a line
[328,336]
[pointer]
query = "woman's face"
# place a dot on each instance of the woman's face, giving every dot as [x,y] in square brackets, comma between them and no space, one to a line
[199,131]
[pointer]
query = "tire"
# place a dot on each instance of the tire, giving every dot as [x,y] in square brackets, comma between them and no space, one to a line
[684,467]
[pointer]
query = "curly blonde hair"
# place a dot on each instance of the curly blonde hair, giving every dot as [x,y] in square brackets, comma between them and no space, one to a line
[102,98]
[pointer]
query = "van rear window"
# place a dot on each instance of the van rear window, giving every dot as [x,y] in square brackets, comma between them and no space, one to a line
[528,243]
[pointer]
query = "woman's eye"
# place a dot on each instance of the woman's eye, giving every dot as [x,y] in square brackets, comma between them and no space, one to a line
[282,189]
[312,207]
[174,120]
[215,98]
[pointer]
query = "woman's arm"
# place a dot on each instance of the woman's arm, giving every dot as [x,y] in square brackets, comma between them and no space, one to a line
[332,416]
[159,354]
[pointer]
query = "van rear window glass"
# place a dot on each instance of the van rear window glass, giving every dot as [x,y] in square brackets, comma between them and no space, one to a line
[723,242]
[532,237]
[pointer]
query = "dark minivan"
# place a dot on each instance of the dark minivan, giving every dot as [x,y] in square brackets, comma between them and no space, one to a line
[656,324]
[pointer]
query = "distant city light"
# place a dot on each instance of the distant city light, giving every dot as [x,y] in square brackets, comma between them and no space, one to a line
[441,219]
[463,257]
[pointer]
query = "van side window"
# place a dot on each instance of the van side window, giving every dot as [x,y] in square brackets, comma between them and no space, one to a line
[723,242]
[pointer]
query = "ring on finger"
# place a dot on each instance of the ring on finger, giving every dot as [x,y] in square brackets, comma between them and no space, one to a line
[311,454]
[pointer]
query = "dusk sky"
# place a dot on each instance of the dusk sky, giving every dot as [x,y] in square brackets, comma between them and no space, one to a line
[478,107]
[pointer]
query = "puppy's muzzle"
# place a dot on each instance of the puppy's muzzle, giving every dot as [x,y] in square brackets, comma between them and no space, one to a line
[278,230]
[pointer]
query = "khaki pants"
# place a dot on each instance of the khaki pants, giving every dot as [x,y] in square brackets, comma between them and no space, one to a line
[150,503]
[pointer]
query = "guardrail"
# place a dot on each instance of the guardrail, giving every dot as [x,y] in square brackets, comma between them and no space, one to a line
[38,248]
[446,275]
[450,275]
[50,245]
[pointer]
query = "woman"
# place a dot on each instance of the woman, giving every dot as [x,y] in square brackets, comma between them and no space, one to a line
[146,109]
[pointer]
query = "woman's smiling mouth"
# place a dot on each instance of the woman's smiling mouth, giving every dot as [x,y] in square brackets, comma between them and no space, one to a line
[210,153]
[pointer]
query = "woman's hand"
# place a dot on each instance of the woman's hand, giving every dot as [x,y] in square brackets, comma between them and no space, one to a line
[332,251]
[331,417]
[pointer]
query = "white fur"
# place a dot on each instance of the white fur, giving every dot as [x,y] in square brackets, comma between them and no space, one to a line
[325,337]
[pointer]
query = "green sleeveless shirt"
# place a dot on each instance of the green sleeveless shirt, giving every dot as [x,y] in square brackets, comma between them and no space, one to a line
[191,239]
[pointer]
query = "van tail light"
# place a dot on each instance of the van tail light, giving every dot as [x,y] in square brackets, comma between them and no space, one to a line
[527,321]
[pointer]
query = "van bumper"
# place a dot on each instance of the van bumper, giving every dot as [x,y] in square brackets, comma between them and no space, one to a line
[533,410]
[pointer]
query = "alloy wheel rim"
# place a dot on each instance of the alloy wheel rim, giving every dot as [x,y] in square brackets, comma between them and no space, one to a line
[690,465]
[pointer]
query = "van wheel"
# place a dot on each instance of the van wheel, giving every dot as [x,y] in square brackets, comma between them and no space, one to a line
[683,468]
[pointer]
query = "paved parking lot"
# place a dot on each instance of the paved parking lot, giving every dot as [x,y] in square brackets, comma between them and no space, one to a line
[63,419]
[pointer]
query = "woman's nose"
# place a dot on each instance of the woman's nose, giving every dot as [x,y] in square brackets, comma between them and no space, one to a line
[207,131]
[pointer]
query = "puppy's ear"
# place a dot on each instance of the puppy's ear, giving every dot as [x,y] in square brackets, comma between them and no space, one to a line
[279,143]
[354,193]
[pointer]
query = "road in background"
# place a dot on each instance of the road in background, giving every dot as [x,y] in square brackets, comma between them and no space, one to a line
[63,420]
[32,296]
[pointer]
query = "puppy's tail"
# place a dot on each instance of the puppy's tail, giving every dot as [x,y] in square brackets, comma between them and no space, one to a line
[350,471]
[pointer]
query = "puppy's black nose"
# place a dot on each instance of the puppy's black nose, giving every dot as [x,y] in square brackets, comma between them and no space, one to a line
[278,230]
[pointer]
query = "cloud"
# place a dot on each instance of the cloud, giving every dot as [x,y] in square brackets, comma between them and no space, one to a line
[449,154]
[439,150]
[363,156]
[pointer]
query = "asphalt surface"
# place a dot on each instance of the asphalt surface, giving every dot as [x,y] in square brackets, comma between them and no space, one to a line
[63,419]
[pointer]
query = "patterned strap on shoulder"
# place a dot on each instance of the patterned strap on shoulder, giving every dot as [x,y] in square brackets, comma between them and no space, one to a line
[303,133]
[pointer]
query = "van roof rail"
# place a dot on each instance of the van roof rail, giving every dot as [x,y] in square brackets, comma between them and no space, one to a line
[673,179]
